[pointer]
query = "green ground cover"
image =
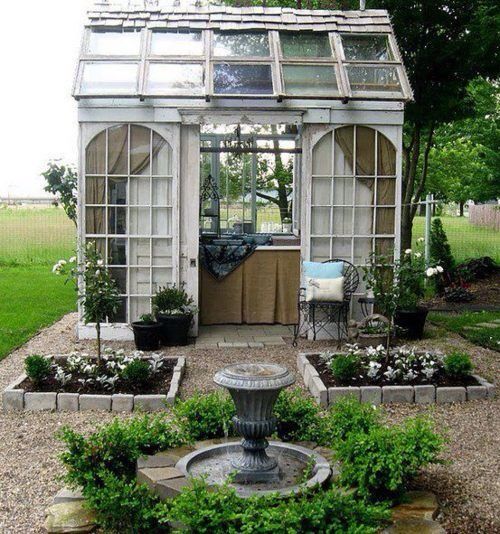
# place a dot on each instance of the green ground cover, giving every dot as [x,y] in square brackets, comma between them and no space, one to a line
[35,236]
[31,297]
[466,324]
[466,240]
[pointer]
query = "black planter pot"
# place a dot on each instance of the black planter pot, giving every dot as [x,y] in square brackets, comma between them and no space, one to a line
[412,322]
[146,336]
[174,329]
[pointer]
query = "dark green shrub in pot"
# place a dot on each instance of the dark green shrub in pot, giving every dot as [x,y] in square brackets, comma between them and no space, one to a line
[37,368]
[147,333]
[174,310]
[458,364]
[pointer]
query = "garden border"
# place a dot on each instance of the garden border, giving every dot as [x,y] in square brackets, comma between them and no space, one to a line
[424,394]
[16,399]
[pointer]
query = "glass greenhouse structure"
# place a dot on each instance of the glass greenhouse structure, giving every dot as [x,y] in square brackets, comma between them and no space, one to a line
[291,118]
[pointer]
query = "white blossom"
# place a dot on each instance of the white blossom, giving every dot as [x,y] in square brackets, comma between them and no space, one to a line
[391,373]
[72,259]
[439,269]
[373,369]
[428,372]
[418,254]
[430,272]
[408,251]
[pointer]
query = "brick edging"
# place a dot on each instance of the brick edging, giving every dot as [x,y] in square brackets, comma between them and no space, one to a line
[423,394]
[15,399]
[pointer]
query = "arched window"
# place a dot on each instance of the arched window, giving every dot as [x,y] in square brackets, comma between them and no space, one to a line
[353,197]
[128,211]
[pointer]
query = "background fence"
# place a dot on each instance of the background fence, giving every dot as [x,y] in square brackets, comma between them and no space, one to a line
[473,235]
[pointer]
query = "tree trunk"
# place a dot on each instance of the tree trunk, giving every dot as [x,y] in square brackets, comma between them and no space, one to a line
[98,331]
[461,203]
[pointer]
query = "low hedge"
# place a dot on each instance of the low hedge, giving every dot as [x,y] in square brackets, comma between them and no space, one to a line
[376,460]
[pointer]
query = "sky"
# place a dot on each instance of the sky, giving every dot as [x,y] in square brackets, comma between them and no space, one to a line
[38,52]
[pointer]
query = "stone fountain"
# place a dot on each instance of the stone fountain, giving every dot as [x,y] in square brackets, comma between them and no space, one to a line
[255,465]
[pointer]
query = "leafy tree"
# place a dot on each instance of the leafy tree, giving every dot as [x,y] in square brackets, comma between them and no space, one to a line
[440,250]
[62,181]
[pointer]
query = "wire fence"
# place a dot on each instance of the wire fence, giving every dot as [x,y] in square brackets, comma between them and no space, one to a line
[35,235]
[471,235]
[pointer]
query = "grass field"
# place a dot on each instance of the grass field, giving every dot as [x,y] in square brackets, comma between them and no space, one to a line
[466,324]
[35,236]
[31,297]
[466,240]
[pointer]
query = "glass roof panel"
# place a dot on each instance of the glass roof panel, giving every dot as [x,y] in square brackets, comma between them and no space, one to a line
[305,80]
[366,48]
[114,43]
[373,78]
[305,44]
[109,78]
[176,44]
[249,79]
[241,44]
[175,79]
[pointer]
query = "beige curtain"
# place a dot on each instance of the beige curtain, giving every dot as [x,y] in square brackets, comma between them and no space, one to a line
[140,143]
[118,149]
[262,290]
[94,190]
[95,156]
[386,187]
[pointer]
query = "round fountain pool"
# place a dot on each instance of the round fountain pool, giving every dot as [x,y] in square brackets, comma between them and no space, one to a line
[297,467]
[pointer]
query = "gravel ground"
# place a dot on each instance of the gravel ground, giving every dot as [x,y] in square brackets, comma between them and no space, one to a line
[468,487]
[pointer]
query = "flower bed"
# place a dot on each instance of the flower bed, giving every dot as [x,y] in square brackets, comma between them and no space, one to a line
[117,382]
[404,375]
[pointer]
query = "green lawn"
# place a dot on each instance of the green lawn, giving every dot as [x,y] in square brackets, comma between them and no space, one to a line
[466,240]
[461,324]
[35,236]
[31,297]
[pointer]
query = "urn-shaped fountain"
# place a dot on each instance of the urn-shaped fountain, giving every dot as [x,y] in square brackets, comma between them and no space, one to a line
[254,388]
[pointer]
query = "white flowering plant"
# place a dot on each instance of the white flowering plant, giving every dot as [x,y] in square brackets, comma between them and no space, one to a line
[405,365]
[97,290]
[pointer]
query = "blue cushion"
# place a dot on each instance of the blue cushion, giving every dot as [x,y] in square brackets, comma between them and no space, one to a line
[313,269]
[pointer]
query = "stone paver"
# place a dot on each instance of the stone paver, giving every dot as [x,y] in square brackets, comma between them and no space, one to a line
[397,394]
[452,394]
[121,402]
[67,495]
[371,394]
[95,402]
[13,400]
[68,402]
[40,401]
[69,517]
[425,394]
[335,394]
[416,504]
[150,403]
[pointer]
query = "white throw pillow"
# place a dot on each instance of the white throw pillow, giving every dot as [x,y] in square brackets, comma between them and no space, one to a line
[325,289]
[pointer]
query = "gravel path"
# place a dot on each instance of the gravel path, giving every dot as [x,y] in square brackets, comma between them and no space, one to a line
[468,488]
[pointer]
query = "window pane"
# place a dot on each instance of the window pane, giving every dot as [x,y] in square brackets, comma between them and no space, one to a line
[310,80]
[322,156]
[320,248]
[109,78]
[161,278]
[321,191]
[139,306]
[385,220]
[365,151]
[139,281]
[320,221]
[118,149]
[117,190]
[362,250]
[139,191]
[365,191]
[162,191]
[121,314]
[386,157]
[176,44]
[243,79]
[373,78]
[344,149]
[363,221]
[342,191]
[117,220]
[95,155]
[342,221]
[162,218]
[241,44]
[115,43]
[94,220]
[140,251]
[175,79]
[386,191]
[366,47]
[117,251]
[140,141]
[162,252]
[119,275]
[304,44]
[95,193]
[341,248]
[162,156]
[140,221]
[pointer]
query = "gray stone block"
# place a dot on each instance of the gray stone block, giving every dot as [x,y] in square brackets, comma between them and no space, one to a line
[13,400]
[453,394]
[150,403]
[95,402]
[397,394]
[67,495]
[68,402]
[121,402]
[319,391]
[309,372]
[172,392]
[489,387]
[425,394]
[337,393]
[477,392]
[40,401]
[371,394]
[301,362]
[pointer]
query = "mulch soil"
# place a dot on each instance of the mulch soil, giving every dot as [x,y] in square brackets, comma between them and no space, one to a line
[158,383]
[439,379]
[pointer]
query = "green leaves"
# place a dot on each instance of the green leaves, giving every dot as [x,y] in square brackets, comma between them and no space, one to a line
[37,368]
[62,181]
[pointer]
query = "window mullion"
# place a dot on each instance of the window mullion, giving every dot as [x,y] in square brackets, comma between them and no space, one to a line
[343,81]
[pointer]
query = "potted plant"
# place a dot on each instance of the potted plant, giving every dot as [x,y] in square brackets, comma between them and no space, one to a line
[287,225]
[373,331]
[147,333]
[174,310]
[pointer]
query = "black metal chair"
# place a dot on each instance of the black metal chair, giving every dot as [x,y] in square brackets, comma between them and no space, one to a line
[317,316]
